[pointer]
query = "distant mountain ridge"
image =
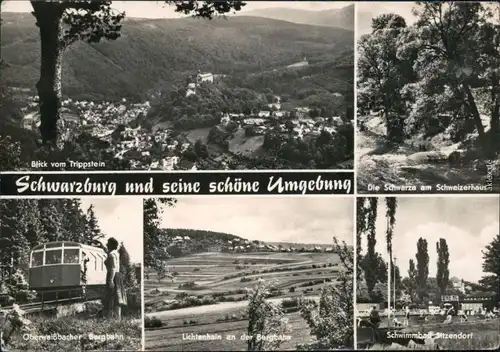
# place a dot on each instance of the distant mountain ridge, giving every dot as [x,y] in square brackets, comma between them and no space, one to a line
[340,18]
[151,52]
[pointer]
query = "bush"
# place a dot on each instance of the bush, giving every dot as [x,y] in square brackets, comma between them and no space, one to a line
[188,285]
[181,295]
[232,126]
[330,321]
[134,302]
[152,322]
[264,318]
[250,131]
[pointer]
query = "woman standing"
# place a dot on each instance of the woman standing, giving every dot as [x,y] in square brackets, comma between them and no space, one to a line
[116,296]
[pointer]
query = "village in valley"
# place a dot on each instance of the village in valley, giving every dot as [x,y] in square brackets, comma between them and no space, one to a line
[123,127]
[245,92]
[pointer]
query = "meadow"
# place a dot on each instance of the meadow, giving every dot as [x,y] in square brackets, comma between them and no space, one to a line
[217,284]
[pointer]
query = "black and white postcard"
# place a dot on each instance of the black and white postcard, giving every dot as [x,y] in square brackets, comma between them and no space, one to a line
[175,85]
[428,273]
[428,97]
[70,274]
[253,273]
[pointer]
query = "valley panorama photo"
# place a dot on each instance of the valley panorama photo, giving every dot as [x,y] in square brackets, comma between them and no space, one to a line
[239,274]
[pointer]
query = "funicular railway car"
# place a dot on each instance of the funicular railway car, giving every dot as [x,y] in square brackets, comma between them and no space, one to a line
[67,270]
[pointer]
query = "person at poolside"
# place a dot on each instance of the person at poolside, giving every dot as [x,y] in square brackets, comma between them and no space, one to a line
[406,320]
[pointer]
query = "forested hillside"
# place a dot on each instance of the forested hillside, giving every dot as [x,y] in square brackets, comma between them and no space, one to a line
[150,52]
[25,223]
[341,18]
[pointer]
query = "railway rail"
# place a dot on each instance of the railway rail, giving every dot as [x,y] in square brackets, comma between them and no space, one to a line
[36,307]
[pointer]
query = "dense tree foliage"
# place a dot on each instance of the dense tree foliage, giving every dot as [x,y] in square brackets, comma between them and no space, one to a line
[373,267]
[265,318]
[441,73]
[127,268]
[326,151]
[422,258]
[382,75]
[491,265]
[141,61]
[206,107]
[153,241]
[411,282]
[330,321]
[25,223]
[443,262]
[12,137]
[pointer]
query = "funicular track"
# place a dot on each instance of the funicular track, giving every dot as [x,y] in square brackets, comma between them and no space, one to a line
[47,305]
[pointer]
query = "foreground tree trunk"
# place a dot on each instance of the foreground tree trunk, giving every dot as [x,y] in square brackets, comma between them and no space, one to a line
[49,20]
[475,113]
[495,115]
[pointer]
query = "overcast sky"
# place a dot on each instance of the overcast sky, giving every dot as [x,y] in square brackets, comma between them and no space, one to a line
[314,220]
[120,218]
[158,9]
[468,224]
[366,11]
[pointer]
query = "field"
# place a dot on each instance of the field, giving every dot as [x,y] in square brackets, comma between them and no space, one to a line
[198,133]
[485,334]
[238,144]
[218,282]
[245,145]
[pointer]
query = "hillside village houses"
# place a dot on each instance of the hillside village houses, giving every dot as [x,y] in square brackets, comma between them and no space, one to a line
[205,77]
[135,144]
[244,245]
[303,125]
[103,119]
[200,78]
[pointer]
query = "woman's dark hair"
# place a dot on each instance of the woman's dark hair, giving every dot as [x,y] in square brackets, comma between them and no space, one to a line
[112,243]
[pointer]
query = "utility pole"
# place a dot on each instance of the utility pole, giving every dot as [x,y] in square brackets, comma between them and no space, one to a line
[394,283]
[11,266]
[389,265]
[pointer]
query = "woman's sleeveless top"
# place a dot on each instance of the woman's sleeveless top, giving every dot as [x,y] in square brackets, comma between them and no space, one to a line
[113,261]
